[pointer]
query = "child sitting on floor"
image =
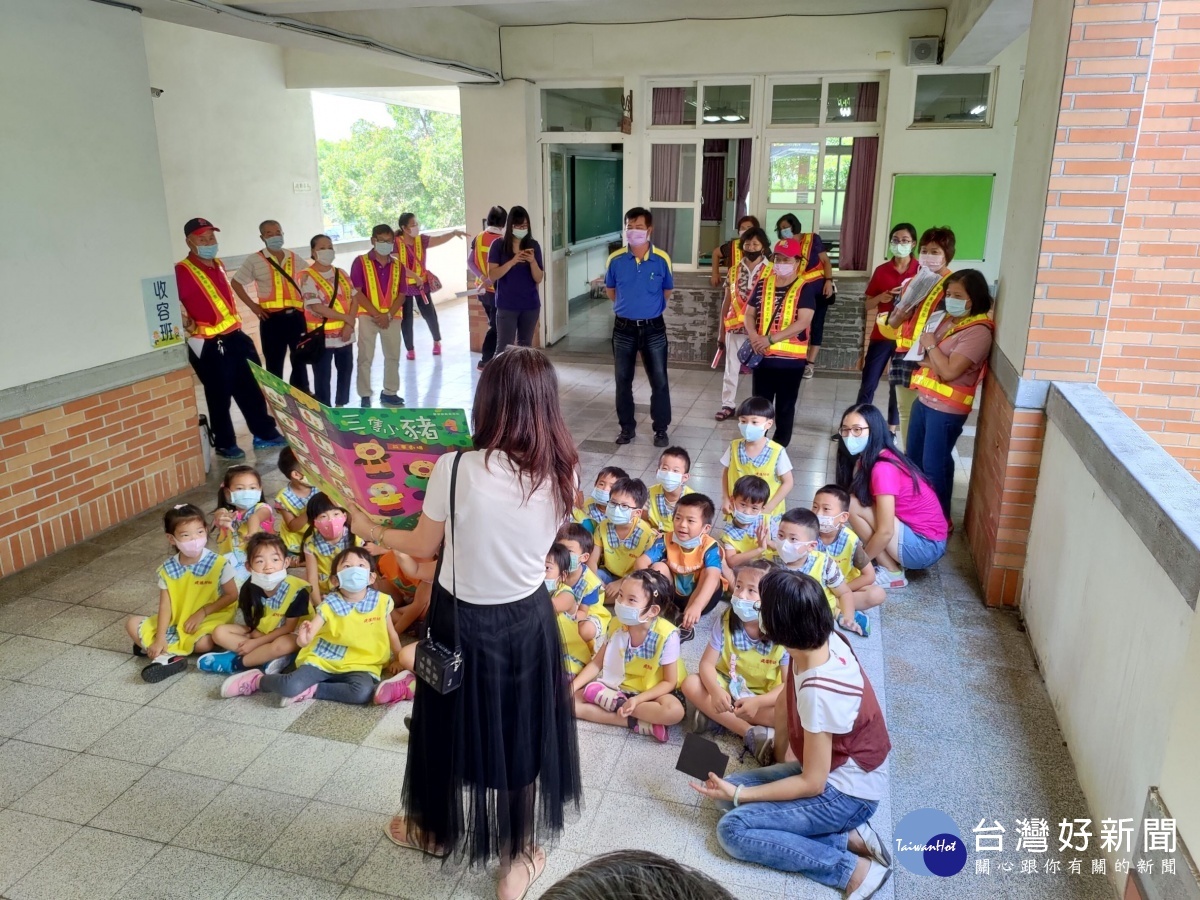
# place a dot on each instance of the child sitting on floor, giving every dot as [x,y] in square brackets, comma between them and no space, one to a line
[273,603]
[409,582]
[690,557]
[799,537]
[344,647]
[593,509]
[633,680]
[831,504]
[741,672]
[754,454]
[622,536]
[578,625]
[291,504]
[746,534]
[671,484]
[327,536]
[240,515]
[196,593]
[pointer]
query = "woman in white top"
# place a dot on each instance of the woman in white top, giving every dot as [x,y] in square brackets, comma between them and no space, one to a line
[493,765]
[329,303]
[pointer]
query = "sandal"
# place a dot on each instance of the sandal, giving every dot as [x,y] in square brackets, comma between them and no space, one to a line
[406,842]
[725,413]
[531,866]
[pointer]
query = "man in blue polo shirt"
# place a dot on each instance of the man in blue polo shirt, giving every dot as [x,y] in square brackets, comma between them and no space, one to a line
[638,280]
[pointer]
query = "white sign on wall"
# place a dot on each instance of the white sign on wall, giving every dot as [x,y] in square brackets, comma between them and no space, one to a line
[164,320]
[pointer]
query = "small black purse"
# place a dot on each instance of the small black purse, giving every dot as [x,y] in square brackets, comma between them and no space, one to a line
[437,665]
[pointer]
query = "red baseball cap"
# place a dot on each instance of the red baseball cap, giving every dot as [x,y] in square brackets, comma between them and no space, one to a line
[195,225]
[788,247]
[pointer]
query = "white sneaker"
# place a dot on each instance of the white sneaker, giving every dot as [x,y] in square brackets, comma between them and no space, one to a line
[879,851]
[877,877]
[890,580]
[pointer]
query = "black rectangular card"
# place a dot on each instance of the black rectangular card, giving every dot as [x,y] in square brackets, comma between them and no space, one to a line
[701,756]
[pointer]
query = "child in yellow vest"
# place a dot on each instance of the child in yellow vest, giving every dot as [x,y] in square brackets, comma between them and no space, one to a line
[327,536]
[196,593]
[799,536]
[622,536]
[754,454]
[597,502]
[746,534]
[831,505]
[273,603]
[741,672]
[344,647]
[291,503]
[590,615]
[634,678]
[674,467]
[241,514]
[690,557]
[579,624]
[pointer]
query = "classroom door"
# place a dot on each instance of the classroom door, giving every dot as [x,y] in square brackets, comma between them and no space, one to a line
[555,309]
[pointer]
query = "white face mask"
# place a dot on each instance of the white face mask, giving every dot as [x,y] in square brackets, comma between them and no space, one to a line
[268,582]
[904,249]
[932,261]
[412,230]
[520,233]
[383,249]
[324,257]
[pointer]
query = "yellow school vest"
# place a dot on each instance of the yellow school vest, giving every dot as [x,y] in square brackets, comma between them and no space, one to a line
[190,587]
[236,537]
[661,513]
[740,463]
[742,538]
[642,672]
[324,551]
[289,500]
[761,671]
[283,292]
[842,550]
[814,565]
[577,652]
[354,636]
[618,556]
[278,603]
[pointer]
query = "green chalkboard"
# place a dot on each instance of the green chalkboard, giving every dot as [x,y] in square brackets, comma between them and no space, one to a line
[962,202]
[595,197]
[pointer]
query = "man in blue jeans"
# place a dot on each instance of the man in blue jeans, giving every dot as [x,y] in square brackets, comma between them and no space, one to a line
[639,283]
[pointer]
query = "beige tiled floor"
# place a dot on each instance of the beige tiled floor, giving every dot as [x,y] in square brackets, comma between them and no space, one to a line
[110,787]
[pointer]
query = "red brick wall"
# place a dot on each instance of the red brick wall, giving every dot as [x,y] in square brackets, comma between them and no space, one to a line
[75,470]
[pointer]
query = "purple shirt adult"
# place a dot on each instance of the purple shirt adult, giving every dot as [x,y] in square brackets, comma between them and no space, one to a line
[516,289]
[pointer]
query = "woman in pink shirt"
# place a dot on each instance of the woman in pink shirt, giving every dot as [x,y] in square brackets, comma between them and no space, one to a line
[893,507]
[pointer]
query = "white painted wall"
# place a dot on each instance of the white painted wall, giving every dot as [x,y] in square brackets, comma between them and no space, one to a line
[80,165]
[1115,641]
[233,139]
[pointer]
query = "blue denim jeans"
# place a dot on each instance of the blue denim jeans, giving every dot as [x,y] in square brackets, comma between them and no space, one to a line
[931,437]
[806,836]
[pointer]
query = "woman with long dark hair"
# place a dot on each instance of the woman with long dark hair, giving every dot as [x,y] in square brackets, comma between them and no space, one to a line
[893,507]
[515,267]
[493,765]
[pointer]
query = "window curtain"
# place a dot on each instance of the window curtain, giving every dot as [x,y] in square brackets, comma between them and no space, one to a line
[666,109]
[866,102]
[860,198]
[745,149]
[712,189]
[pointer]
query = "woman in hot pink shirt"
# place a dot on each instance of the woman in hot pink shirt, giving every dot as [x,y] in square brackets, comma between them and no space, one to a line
[893,507]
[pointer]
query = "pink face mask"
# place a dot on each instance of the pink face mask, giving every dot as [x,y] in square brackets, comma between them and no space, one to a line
[193,547]
[331,528]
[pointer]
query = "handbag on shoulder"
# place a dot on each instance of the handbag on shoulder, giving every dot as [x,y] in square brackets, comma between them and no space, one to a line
[437,665]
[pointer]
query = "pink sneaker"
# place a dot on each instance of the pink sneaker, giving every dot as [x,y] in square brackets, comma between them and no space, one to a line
[603,696]
[306,694]
[412,354]
[658,732]
[243,684]
[437,348]
[394,689]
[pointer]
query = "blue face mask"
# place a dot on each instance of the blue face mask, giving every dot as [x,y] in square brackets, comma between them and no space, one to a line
[752,432]
[627,615]
[670,480]
[551,586]
[353,578]
[274,243]
[746,610]
[600,495]
[574,562]
[744,518]
[618,515]
[245,499]
[855,445]
[785,232]
[207,251]
[955,307]
[690,543]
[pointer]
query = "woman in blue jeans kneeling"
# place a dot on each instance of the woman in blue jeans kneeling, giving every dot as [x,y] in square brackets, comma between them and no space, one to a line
[812,816]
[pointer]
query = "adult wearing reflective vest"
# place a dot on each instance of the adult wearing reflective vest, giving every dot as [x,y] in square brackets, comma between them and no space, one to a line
[377,279]
[904,327]
[412,252]
[275,273]
[477,263]
[218,349]
[783,302]
[330,302]
[956,355]
[729,254]
[749,262]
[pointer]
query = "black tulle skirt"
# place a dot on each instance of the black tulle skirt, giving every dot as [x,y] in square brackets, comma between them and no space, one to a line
[493,767]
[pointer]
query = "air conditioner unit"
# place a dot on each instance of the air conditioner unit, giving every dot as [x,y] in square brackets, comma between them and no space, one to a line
[924,51]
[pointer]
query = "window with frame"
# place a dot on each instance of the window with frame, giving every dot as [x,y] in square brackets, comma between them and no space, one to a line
[698,105]
[582,109]
[953,99]
[824,102]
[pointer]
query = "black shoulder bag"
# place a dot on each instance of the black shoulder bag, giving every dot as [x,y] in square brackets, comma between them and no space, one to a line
[311,346]
[437,665]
